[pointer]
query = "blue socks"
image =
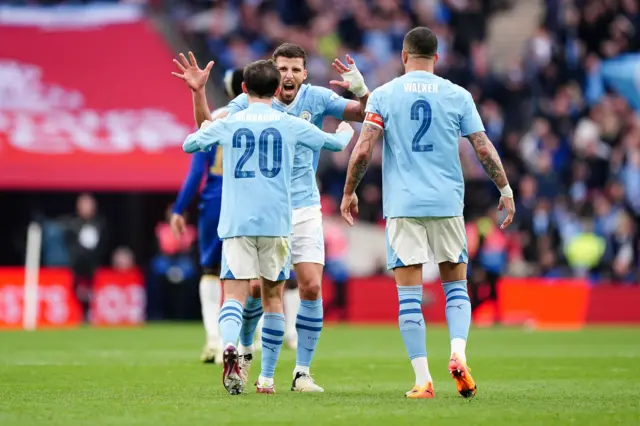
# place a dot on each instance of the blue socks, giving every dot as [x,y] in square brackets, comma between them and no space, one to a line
[250,318]
[411,321]
[272,337]
[458,309]
[308,326]
[230,321]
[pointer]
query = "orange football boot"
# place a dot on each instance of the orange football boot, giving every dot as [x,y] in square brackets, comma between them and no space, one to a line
[415,388]
[461,373]
[425,392]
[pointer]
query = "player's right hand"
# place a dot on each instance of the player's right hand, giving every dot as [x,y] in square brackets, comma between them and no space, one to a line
[344,127]
[191,73]
[178,225]
[349,203]
[509,204]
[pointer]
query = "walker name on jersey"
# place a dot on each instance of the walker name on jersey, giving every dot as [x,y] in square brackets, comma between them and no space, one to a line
[421,87]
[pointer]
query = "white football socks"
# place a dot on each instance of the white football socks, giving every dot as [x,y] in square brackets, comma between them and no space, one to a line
[421,368]
[291,299]
[458,347]
[210,299]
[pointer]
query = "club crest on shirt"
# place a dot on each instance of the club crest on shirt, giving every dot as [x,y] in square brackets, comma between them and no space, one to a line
[305,115]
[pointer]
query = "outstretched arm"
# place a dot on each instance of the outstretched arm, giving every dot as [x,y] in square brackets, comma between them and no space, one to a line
[313,138]
[488,156]
[358,164]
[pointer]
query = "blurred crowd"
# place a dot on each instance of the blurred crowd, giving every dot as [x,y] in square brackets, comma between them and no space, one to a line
[563,114]
[570,141]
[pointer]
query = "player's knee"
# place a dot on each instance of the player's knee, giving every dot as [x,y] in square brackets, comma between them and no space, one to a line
[310,289]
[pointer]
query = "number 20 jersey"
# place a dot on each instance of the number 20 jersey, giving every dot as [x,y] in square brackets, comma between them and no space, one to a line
[422,116]
[258,146]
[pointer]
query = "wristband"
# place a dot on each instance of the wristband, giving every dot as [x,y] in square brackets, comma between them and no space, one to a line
[506,191]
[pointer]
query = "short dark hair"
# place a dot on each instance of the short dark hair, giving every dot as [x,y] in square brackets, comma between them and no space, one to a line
[262,78]
[233,82]
[421,42]
[290,50]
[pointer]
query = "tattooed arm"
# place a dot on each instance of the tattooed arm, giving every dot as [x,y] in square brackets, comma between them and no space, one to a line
[488,156]
[358,163]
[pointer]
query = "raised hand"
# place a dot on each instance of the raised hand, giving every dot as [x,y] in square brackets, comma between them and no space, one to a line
[190,73]
[351,76]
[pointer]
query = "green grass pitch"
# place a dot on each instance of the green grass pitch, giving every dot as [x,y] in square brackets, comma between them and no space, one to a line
[151,376]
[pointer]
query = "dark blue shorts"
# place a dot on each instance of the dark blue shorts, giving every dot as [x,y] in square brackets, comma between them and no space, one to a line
[209,242]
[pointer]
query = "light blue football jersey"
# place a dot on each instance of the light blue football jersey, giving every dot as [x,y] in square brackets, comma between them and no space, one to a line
[258,148]
[313,104]
[423,116]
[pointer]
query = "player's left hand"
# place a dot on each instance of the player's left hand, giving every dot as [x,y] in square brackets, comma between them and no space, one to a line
[510,205]
[349,204]
[178,225]
[191,73]
[353,80]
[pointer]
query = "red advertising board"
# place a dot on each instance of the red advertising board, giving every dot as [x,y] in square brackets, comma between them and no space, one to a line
[118,299]
[89,104]
[538,302]
[57,305]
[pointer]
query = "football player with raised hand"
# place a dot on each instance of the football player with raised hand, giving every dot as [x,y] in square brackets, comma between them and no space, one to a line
[256,217]
[209,166]
[313,104]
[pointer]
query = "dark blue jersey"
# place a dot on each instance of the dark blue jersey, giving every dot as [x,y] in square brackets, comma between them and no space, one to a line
[201,163]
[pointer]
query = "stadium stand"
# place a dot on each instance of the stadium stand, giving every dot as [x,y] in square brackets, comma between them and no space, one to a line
[561,107]
[561,113]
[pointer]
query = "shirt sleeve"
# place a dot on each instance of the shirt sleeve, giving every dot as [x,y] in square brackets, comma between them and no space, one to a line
[191,183]
[313,138]
[373,113]
[241,102]
[470,121]
[334,104]
[205,138]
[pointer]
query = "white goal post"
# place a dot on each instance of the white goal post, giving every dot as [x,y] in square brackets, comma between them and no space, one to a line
[31,276]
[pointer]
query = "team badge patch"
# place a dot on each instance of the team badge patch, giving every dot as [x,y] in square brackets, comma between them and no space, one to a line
[305,115]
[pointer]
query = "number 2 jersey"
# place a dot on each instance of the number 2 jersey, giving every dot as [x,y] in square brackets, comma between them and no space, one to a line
[258,146]
[422,116]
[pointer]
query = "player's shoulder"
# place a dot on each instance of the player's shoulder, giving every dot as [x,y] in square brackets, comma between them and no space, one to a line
[387,88]
[242,100]
[448,86]
[313,90]
[294,121]
[317,93]
[218,110]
